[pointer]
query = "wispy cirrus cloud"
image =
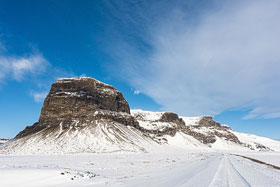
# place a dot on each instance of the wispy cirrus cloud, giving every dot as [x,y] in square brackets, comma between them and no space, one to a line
[203,63]
[26,67]
[17,68]
[136,92]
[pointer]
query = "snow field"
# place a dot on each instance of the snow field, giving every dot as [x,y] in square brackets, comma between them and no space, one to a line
[136,169]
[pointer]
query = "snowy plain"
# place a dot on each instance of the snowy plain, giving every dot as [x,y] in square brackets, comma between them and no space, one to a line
[182,168]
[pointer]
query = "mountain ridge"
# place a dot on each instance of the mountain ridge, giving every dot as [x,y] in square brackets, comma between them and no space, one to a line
[84,115]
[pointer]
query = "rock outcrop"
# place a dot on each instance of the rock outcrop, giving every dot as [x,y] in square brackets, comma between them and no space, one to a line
[207,121]
[205,129]
[79,101]
[211,129]
[173,118]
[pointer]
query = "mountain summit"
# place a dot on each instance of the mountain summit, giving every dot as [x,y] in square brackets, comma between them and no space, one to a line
[77,102]
[84,115]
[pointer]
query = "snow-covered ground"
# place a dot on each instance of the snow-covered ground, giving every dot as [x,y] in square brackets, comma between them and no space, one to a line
[136,169]
[268,157]
[253,140]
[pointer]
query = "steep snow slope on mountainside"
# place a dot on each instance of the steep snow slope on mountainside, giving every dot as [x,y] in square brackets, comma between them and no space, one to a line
[103,137]
[201,133]
[257,141]
[107,136]
[162,131]
[153,135]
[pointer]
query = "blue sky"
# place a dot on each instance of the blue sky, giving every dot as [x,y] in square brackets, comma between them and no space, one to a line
[194,58]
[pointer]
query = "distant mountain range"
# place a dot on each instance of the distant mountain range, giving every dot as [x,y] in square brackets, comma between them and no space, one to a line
[84,115]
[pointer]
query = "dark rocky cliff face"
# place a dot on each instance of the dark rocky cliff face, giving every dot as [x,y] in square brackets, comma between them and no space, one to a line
[79,101]
[71,98]
[172,117]
[207,121]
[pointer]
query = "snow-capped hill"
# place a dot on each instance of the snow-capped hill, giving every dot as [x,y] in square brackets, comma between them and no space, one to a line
[257,142]
[199,132]
[102,137]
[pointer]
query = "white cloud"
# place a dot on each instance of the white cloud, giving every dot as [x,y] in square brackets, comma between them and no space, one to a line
[17,68]
[136,92]
[229,58]
[39,96]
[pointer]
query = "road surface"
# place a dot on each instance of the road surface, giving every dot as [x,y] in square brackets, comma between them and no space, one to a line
[155,170]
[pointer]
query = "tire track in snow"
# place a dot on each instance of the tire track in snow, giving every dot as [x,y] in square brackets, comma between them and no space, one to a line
[237,172]
[201,175]
[227,175]
[217,173]
[255,174]
[265,169]
[194,174]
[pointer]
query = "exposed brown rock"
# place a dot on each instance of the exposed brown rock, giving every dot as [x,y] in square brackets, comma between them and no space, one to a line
[207,121]
[165,131]
[77,101]
[77,97]
[205,139]
[172,117]
[169,117]
[262,147]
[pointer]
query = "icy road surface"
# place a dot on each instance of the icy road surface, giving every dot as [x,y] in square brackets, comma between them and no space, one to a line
[188,169]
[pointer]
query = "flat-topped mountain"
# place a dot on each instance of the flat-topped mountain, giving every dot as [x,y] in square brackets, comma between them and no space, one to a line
[84,115]
[80,115]
[75,102]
